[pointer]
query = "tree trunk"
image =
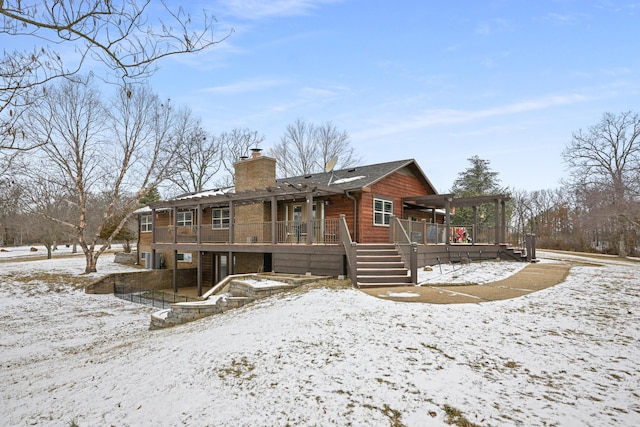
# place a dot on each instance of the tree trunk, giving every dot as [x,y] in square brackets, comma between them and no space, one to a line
[622,250]
[92,261]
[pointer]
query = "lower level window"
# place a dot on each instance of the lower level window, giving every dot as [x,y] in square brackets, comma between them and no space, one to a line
[382,211]
[185,257]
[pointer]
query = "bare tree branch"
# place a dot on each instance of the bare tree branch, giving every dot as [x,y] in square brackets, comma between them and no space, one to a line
[307,148]
[121,35]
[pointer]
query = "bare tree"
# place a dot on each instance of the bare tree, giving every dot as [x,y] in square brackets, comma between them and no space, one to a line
[236,144]
[120,35]
[307,148]
[606,157]
[334,143]
[200,157]
[47,200]
[118,155]
[11,192]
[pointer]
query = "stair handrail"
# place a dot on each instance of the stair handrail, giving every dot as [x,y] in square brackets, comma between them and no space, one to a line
[408,249]
[349,249]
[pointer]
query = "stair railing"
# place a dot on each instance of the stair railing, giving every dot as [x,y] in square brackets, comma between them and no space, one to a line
[350,248]
[408,249]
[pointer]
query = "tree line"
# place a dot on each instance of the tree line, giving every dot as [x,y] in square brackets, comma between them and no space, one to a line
[596,208]
[75,164]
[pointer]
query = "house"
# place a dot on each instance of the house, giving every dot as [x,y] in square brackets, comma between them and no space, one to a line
[372,223]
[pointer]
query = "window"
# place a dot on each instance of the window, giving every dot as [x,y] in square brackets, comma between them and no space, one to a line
[220,218]
[185,257]
[185,219]
[145,223]
[382,211]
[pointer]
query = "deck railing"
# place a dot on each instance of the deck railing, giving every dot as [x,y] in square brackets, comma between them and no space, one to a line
[350,249]
[324,231]
[426,233]
[399,235]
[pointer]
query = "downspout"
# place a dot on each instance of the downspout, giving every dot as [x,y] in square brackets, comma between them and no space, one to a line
[355,215]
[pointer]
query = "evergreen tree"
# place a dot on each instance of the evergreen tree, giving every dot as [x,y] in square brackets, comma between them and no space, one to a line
[477,180]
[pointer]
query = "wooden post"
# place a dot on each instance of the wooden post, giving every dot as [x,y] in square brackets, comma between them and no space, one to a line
[274,220]
[475,225]
[413,262]
[309,218]
[175,224]
[200,255]
[199,224]
[497,221]
[175,271]
[503,229]
[447,221]
[232,221]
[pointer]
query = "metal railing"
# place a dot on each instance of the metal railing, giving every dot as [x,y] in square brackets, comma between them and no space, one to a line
[426,233]
[325,231]
[150,297]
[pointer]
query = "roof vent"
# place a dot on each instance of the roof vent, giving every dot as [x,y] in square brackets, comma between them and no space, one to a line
[352,170]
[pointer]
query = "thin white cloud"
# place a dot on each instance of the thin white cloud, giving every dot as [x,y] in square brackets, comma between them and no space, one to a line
[571,19]
[494,26]
[256,9]
[432,118]
[252,85]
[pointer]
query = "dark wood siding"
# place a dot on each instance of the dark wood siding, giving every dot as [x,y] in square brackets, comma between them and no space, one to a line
[394,187]
[302,263]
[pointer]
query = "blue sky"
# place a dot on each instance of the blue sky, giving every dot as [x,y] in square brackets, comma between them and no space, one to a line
[438,81]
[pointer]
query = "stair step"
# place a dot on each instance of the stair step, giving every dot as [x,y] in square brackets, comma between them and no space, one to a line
[380,252]
[376,246]
[371,258]
[382,285]
[383,279]
[380,264]
[382,271]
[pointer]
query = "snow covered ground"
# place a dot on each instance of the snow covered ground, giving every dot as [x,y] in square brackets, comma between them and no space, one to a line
[568,355]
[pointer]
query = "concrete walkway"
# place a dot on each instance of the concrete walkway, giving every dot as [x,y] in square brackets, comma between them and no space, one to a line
[533,277]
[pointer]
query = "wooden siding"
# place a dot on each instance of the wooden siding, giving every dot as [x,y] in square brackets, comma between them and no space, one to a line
[394,187]
[207,270]
[303,263]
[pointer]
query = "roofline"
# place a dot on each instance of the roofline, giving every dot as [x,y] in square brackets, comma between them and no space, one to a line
[404,165]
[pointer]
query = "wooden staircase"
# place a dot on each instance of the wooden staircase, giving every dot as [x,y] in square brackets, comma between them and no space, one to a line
[380,265]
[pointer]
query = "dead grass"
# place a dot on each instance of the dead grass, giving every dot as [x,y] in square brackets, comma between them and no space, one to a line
[455,417]
[53,281]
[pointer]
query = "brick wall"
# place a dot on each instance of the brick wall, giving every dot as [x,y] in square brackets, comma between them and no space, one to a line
[256,173]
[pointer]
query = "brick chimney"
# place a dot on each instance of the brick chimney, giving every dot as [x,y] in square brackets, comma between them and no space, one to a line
[255,173]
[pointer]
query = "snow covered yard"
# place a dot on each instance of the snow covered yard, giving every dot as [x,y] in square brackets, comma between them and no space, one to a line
[567,355]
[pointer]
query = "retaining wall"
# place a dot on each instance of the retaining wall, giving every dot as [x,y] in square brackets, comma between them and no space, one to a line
[145,279]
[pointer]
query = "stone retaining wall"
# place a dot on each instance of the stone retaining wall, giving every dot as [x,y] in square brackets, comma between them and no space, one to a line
[242,291]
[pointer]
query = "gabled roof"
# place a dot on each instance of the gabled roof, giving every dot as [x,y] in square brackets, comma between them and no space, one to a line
[358,177]
[326,183]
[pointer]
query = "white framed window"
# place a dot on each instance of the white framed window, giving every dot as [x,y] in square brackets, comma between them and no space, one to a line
[382,211]
[220,218]
[185,219]
[145,224]
[185,257]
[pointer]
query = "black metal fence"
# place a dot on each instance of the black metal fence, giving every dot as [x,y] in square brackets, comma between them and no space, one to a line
[150,297]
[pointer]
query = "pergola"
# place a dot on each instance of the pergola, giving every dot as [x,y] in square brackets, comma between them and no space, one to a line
[448,201]
[232,199]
